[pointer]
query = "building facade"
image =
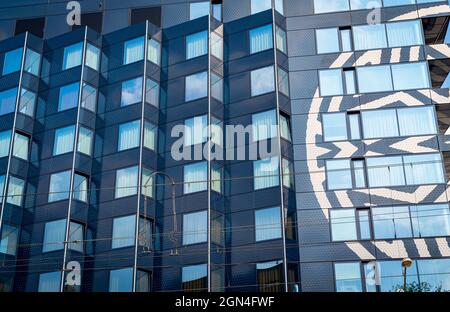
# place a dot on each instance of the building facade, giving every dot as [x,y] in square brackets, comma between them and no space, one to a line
[340,174]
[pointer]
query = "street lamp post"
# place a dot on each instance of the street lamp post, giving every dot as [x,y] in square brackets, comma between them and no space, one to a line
[406,263]
[173,236]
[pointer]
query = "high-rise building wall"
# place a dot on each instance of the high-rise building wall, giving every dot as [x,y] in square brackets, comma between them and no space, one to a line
[341,172]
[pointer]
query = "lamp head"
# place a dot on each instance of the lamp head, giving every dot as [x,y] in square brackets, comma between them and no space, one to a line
[406,262]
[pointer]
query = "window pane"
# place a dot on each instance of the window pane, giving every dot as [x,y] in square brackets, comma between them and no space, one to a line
[129,135]
[285,127]
[124,231]
[431,220]
[216,87]
[143,281]
[355,131]
[216,177]
[283,81]
[331,82]
[264,125]
[147,183]
[195,177]
[364,224]
[196,131]
[410,76]
[68,96]
[417,120]
[64,139]
[261,39]
[8,101]
[73,55]
[385,171]
[131,91]
[388,3]
[260,5]
[126,182]
[346,40]
[133,51]
[121,280]
[369,37]
[150,131]
[327,40]
[391,222]
[262,81]
[2,187]
[358,171]
[15,191]
[348,277]
[32,62]
[9,237]
[27,102]
[76,233]
[365,4]
[92,56]
[54,235]
[267,224]
[217,45]
[380,124]
[21,145]
[334,127]
[196,86]
[89,98]
[324,6]
[80,188]
[350,81]
[374,79]
[85,141]
[195,277]
[266,173]
[49,282]
[12,61]
[152,93]
[270,276]
[145,233]
[154,51]
[281,40]
[5,140]
[199,9]
[343,224]
[423,169]
[196,44]
[402,34]
[288,169]
[195,227]
[59,186]
[339,175]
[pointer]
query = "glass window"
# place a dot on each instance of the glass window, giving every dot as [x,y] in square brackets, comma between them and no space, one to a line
[145,233]
[346,40]
[408,33]
[126,182]
[374,78]
[281,40]
[16,188]
[216,177]
[327,40]
[8,101]
[129,135]
[354,123]
[32,62]
[343,224]
[261,39]
[216,87]
[2,187]
[143,281]
[199,9]
[49,282]
[348,277]
[325,6]
[123,232]
[85,138]
[334,127]
[391,222]
[285,127]
[92,56]
[5,140]
[431,220]
[364,224]
[410,76]
[368,37]
[147,182]
[196,44]
[76,237]
[266,173]
[388,3]
[9,238]
[288,169]
[385,171]
[196,130]
[279,6]
[267,224]
[59,186]
[89,97]
[131,91]
[196,86]
[21,145]
[217,45]
[154,51]
[339,174]
[331,82]
[262,81]
[260,5]
[121,280]
[152,92]
[133,51]
[12,61]
[73,55]
[380,123]
[68,96]
[195,277]
[350,84]
[283,81]
[365,4]
[417,120]
[27,102]
[435,273]
[150,131]
[264,125]
[80,188]
[270,276]
[195,177]
[423,169]
[195,227]
[54,235]
[64,139]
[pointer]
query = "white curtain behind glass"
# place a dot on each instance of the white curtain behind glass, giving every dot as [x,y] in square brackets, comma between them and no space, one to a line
[154,51]
[196,44]
[134,50]
[150,135]
[126,182]
[423,169]
[195,227]
[266,173]
[404,33]
[264,125]
[85,141]
[195,177]
[73,55]
[129,135]
[380,124]
[385,171]
[261,39]
[417,120]
[64,139]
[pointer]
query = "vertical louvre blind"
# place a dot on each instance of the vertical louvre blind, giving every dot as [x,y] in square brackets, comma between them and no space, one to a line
[126,182]
[64,139]
[73,55]
[195,130]
[129,134]
[195,177]
[266,173]
[261,39]
[196,44]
